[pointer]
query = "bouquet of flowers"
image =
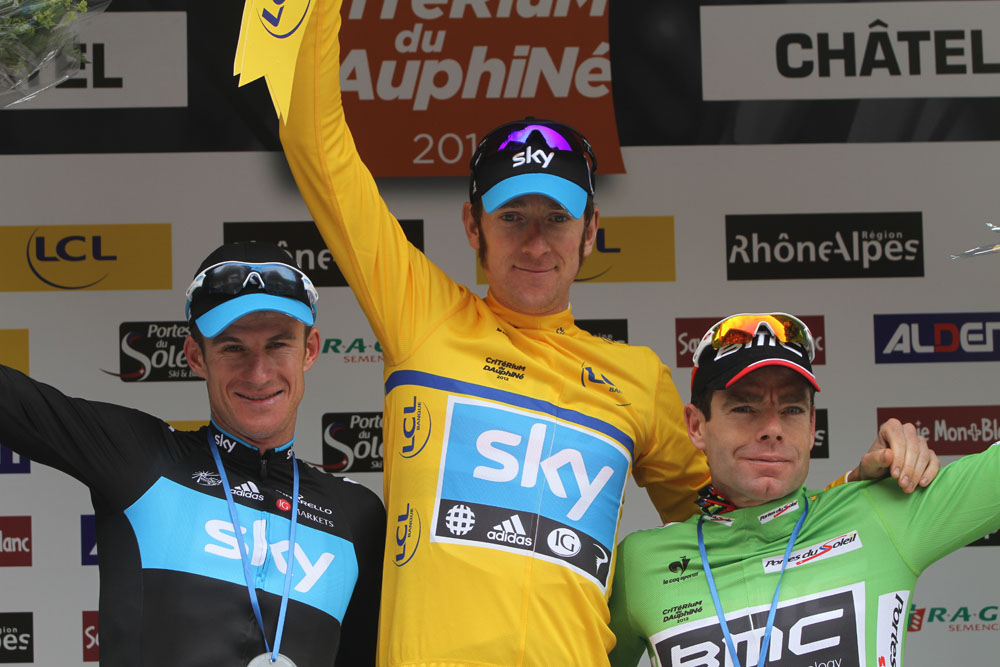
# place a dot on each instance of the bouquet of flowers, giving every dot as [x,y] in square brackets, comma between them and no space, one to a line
[37,44]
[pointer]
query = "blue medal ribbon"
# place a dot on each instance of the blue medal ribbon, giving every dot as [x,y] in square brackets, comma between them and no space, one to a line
[774,601]
[289,559]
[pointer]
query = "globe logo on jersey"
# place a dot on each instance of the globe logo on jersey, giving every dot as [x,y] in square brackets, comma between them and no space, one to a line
[460,519]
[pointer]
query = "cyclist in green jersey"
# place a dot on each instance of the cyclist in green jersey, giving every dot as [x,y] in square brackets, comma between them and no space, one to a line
[769,573]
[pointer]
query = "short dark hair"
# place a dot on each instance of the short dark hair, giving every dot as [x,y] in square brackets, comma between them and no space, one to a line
[703,399]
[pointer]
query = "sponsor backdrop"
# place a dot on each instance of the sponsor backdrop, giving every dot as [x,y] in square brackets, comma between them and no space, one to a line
[819,158]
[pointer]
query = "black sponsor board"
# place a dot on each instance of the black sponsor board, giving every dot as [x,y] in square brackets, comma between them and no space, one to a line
[524,531]
[821,445]
[817,631]
[153,352]
[655,64]
[304,242]
[352,442]
[611,329]
[824,245]
[17,641]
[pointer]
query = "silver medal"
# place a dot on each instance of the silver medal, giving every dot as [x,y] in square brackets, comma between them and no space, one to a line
[264,660]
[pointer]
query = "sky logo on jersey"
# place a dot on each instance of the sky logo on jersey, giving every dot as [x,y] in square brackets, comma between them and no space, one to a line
[88,539]
[12,463]
[15,541]
[936,337]
[836,546]
[82,257]
[891,625]
[819,629]
[91,639]
[17,637]
[500,460]
[325,565]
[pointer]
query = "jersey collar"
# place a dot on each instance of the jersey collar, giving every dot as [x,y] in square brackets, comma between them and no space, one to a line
[231,446]
[560,322]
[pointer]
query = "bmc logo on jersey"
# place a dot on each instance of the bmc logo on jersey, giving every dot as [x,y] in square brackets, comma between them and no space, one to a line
[936,337]
[503,462]
[820,629]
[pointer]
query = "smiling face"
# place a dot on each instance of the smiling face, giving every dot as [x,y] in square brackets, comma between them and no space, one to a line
[531,250]
[759,435]
[255,371]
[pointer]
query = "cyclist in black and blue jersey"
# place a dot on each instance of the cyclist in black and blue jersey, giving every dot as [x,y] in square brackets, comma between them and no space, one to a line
[177,587]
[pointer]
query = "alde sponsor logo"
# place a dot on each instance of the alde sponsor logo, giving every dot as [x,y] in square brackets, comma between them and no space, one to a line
[951,430]
[226,545]
[17,643]
[153,352]
[824,245]
[689,331]
[818,629]
[936,337]
[12,463]
[91,637]
[15,541]
[303,241]
[835,546]
[88,539]
[964,618]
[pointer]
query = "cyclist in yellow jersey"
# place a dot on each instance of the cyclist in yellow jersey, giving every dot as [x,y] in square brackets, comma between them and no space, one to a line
[509,431]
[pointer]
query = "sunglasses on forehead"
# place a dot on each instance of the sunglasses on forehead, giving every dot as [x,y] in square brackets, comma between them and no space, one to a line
[741,329]
[233,278]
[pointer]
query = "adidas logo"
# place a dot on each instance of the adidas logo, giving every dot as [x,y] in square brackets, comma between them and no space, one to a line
[248,490]
[510,531]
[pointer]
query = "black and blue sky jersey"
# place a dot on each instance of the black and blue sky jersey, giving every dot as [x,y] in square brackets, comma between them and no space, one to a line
[172,585]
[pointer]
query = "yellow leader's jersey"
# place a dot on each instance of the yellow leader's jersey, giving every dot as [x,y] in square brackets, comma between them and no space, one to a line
[508,437]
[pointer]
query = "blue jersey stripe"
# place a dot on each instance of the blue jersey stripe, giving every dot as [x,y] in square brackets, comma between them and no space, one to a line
[418,378]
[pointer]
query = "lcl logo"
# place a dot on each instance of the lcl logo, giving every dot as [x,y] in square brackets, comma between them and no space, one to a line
[43,250]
